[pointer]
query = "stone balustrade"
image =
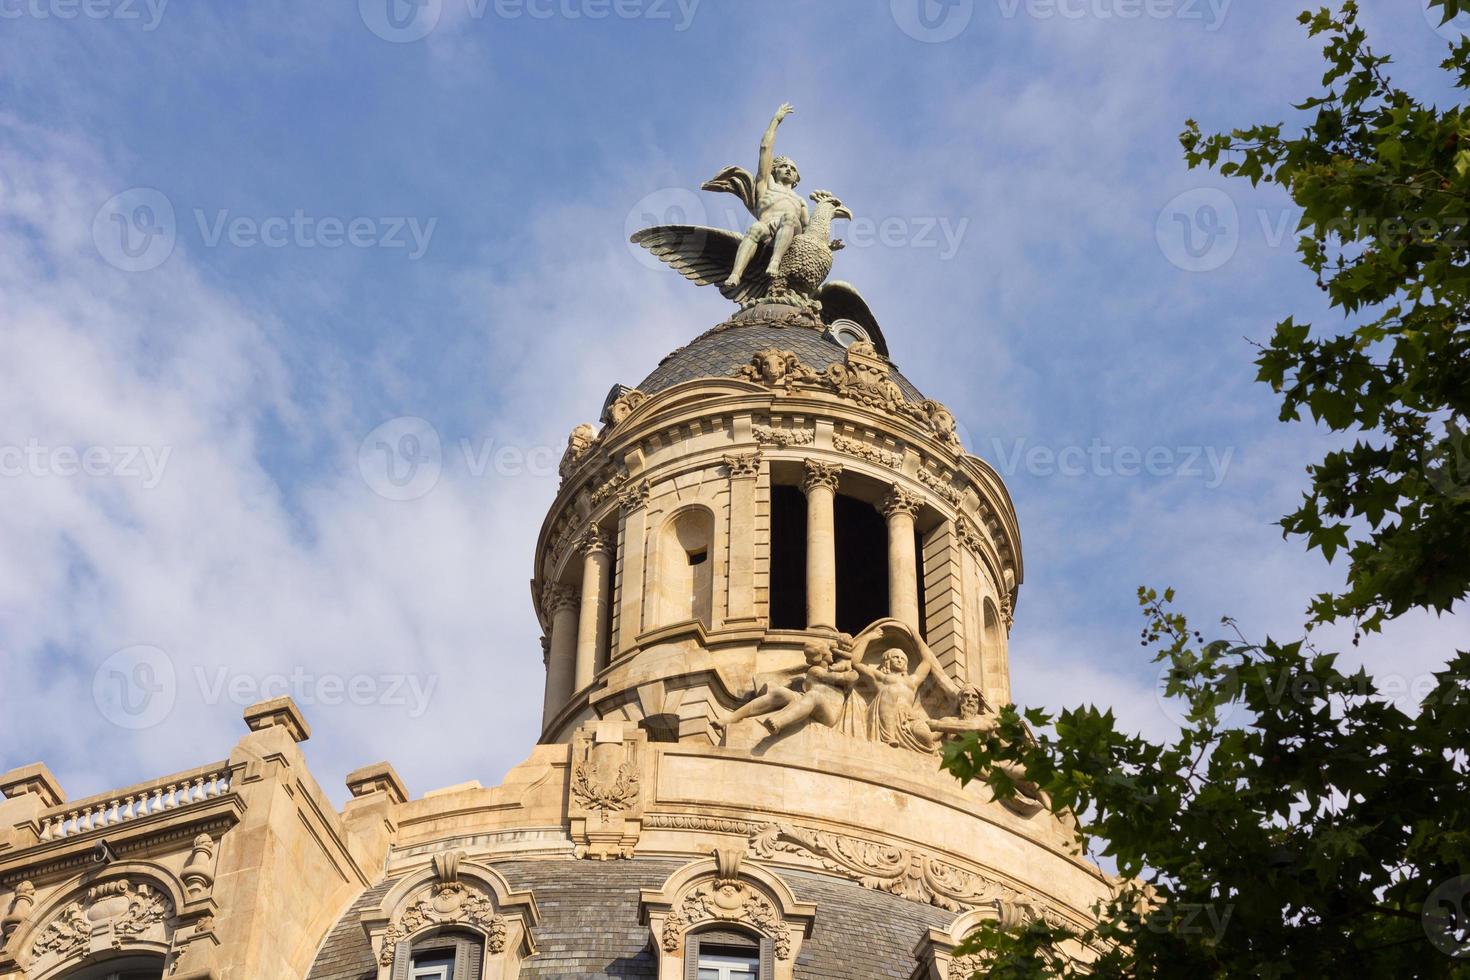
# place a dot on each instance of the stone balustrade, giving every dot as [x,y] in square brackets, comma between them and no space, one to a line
[121,806]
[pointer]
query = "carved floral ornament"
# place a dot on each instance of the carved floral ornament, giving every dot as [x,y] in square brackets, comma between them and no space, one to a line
[727,891]
[117,914]
[454,893]
[864,378]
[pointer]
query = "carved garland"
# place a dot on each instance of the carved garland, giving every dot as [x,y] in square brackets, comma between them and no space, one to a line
[726,900]
[775,436]
[592,792]
[447,903]
[862,450]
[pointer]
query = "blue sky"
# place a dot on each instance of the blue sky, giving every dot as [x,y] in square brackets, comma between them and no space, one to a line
[365,228]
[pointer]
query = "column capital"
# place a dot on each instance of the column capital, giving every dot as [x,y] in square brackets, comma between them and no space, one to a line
[594,540]
[820,475]
[743,465]
[901,501]
[557,598]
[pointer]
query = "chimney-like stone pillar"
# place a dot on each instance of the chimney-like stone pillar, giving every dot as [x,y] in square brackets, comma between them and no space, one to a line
[596,594]
[561,608]
[820,486]
[899,507]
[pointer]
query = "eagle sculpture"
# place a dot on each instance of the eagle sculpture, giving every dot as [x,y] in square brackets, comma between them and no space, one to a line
[785,256]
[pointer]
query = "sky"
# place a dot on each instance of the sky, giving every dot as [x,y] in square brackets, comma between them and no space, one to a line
[298,303]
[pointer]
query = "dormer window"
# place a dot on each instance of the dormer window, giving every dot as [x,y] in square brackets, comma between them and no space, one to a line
[723,954]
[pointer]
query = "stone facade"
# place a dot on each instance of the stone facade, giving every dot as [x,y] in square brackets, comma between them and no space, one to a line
[740,736]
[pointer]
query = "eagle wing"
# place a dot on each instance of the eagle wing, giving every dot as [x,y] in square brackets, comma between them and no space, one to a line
[704,256]
[841,301]
[737,181]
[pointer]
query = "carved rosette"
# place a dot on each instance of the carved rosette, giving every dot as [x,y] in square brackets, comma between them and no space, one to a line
[743,466]
[818,474]
[901,501]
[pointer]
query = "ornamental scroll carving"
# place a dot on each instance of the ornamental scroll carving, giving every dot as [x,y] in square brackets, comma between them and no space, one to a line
[579,443]
[726,900]
[864,377]
[624,405]
[885,867]
[448,901]
[121,909]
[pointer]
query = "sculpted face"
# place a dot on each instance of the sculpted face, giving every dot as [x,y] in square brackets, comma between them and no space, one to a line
[895,662]
[969,702]
[785,172]
[817,654]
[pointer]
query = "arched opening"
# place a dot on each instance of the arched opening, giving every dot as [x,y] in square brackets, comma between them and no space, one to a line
[686,579]
[126,968]
[862,563]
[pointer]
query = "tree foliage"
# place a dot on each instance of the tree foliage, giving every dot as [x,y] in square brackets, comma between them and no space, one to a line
[1301,825]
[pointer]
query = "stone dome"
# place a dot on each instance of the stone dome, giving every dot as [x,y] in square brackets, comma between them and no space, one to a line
[725,349]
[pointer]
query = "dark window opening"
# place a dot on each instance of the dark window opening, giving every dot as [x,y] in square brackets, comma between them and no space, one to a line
[698,557]
[862,564]
[788,558]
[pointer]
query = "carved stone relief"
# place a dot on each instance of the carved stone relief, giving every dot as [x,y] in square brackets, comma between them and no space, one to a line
[604,806]
[448,901]
[743,465]
[115,912]
[578,443]
[866,451]
[776,436]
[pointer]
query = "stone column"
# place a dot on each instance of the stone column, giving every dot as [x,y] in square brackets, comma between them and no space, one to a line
[596,594]
[561,608]
[820,486]
[745,472]
[899,507]
[633,501]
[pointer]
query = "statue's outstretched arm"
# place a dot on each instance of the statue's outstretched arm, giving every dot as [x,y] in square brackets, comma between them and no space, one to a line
[768,143]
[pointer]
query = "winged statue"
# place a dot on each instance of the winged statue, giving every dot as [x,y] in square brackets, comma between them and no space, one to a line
[786,254]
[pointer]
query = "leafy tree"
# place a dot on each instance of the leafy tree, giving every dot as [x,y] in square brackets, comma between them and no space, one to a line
[1309,837]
